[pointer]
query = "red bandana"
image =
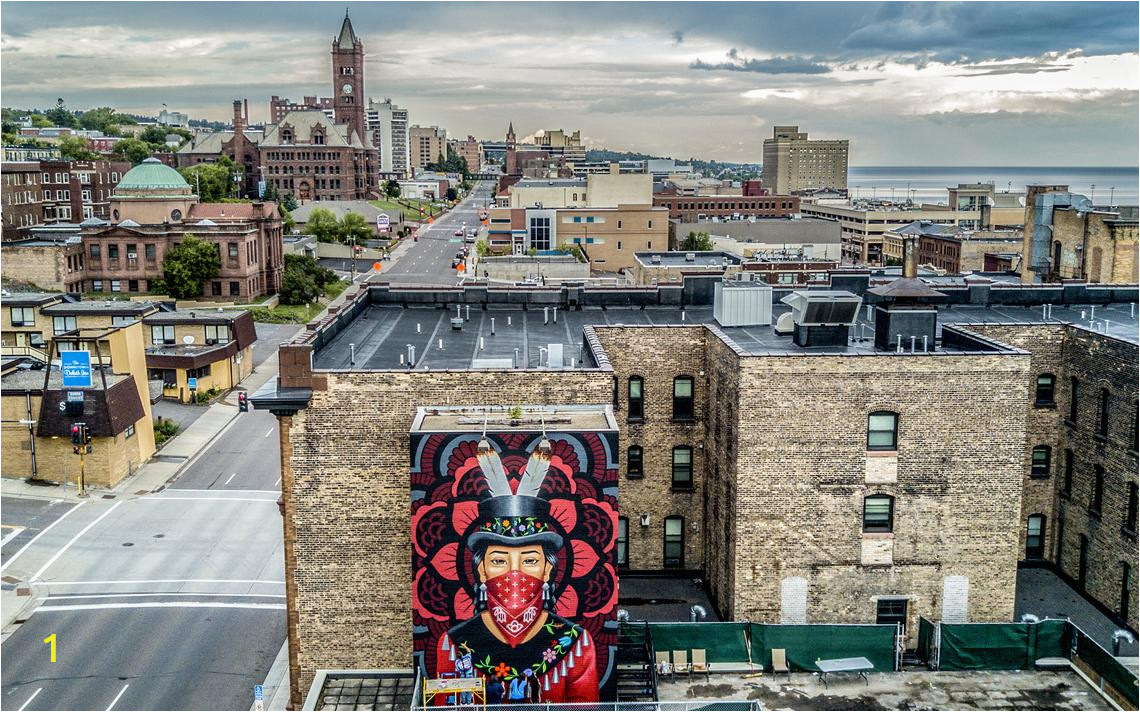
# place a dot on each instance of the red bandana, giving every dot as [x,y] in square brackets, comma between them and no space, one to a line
[515,602]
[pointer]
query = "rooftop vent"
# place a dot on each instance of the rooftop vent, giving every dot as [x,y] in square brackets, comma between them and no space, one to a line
[822,317]
[655,259]
[690,257]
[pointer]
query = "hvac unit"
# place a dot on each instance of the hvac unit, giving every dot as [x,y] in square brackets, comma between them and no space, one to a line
[822,317]
[742,303]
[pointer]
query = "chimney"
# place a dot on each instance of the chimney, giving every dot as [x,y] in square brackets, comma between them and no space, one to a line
[910,256]
[246,117]
[239,123]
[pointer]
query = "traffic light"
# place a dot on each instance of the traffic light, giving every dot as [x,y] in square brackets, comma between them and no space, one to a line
[86,435]
[80,437]
[243,403]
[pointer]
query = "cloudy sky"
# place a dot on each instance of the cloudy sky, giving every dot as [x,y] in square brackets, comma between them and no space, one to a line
[976,84]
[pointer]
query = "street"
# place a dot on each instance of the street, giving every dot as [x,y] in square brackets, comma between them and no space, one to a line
[173,600]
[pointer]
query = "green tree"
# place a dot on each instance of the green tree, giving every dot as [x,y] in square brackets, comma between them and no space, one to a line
[60,115]
[40,121]
[188,265]
[75,148]
[392,189]
[287,221]
[452,193]
[156,135]
[133,150]
[354,225]
[323,224]
[697,242]
[211,181]
[482,249]
[102,119]
[290,202]
[304,280]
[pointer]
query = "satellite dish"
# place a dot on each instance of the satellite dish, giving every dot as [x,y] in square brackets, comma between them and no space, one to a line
[188,339]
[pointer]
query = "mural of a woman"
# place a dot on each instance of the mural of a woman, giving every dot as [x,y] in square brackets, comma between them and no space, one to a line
[528,584]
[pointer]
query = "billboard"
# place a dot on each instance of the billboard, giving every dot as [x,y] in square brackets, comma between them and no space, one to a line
[383,222]
[514,574]
[75,367]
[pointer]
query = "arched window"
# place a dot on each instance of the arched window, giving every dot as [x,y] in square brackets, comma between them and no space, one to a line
[1046,386]
[878,513]
[633,463]
[1042,455]
[882,430]
[683,398]
[636,398]
[1035,536]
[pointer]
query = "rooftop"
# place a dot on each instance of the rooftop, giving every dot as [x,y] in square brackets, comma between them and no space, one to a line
[530,418]
[152,174]
[550,182]
[32,379]
[99,307]
[712,258]
[22,299]
[194,316]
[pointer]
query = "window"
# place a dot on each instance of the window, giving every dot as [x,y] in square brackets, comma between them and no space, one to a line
[674,542]
[1125,588]
[150,251]
[1035,536]
[1098,491]
[540,233]
[60,324]
[23,316]
[1067,483]
[636,398]
[619,224]
[162,334]
[216,288]
[96,252]
[132,251]
[1102,421]
[235,289]
[882,430]
[1046,384]
[116,285]
[198,373]
[1041,457]
[878,513]
[622,548]
[634,468]
[96,285]
[682,467]
[891,611]
[683,398]
[233,250]
[1074,398]
[122,320]
[129,432]
[132,285]
[1130,509]
[113,252]
[217,333]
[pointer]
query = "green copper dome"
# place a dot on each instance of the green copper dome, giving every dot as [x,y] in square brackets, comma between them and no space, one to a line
[152,174]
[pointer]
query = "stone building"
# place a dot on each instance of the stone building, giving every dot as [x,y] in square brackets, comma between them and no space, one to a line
[794,164]
[470,149]
[56,191]
[837,483]
[723,207]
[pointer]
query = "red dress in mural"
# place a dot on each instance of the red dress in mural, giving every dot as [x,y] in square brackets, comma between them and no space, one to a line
[535,552]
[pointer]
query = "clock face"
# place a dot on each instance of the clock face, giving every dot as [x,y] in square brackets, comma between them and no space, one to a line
[347,88]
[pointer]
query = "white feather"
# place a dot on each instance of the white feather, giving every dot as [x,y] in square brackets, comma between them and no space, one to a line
[493,471]
[535,472]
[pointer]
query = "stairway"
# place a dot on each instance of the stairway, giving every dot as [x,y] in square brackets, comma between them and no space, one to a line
[635,673]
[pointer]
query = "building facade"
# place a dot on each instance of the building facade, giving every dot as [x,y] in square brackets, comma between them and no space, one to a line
[426,144]
[794,164]
[470,149]
[389,126]
[706,207]
[1067,238]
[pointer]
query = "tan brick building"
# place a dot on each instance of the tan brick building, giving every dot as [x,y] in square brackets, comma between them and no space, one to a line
[824,484]
[794,164]
[425,145]
[1067,238]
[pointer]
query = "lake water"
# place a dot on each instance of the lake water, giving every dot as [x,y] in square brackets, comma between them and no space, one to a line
[928,184]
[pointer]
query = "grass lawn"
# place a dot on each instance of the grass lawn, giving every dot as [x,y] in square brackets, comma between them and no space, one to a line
[410,213]
[300,313]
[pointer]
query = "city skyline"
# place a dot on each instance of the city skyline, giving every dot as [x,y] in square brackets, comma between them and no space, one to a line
[908,84]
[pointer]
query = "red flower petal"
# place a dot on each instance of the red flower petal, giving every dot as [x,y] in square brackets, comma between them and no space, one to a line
[444,561]
[566,512]
[585,558]
[464,608]
[567,603]
[462,514]
[607,607]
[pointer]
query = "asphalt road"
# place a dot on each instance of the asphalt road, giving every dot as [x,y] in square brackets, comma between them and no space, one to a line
[428,261]
[245,457]
[24,519]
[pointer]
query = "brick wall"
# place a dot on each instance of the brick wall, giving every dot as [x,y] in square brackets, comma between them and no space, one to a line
[348,525]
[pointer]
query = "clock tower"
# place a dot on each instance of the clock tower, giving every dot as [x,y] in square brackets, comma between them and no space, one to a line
[348,80]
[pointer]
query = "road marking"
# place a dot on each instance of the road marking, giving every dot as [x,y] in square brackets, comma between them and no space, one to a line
[205,499]
[269,432]
[37,536]
[74,539]
[231,477]
[16,531]
[38,690]
[112,705]
[219,491]
[277,483]
[134,581]
[161,604]
[143,595]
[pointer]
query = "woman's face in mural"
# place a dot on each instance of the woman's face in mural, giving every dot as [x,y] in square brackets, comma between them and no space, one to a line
[499,560]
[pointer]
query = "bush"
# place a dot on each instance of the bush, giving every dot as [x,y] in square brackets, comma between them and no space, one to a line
[304,279]
[268,316]
[205,397]
[164,429]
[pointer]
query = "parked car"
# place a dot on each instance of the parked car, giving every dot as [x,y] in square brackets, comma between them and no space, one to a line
[458,232]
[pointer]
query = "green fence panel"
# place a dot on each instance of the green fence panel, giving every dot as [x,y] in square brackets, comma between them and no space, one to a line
[1110,670]
[804,644]
[1051,639]
[722,642]
[925,639]
[984,646]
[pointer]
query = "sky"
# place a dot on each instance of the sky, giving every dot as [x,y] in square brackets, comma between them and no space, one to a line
[948,84]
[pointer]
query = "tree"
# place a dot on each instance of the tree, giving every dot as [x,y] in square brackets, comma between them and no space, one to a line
[303,280]
[287,221]
[323,224]
[482,249]
[290,202]
[354,226]
[40,121]
[102,119]
[392,189]
[61,115]
[133,150]
[211,181]
[697,242]
[452,193]
[75,148]
[188,265]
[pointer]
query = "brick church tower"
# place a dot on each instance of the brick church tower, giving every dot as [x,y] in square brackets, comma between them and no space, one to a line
[348,79]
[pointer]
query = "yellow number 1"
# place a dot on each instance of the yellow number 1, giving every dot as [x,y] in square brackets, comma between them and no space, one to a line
[50,640]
